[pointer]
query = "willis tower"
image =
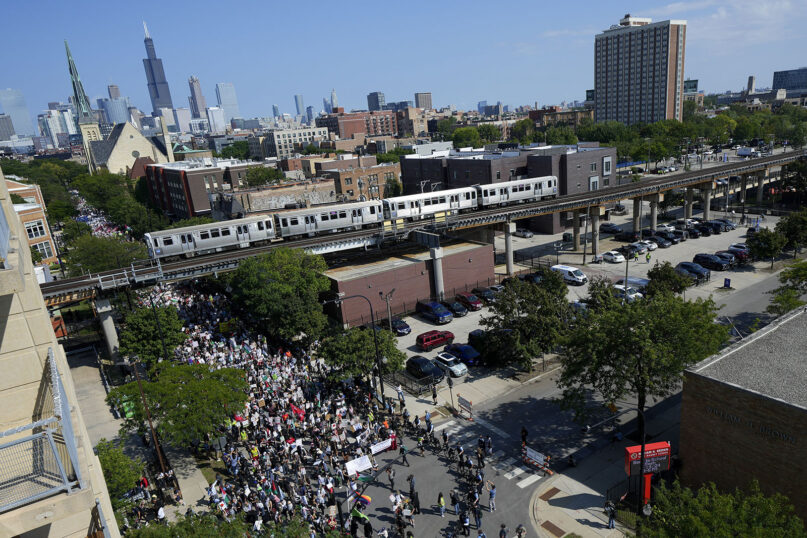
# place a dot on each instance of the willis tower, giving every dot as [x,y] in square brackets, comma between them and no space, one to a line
[155,75]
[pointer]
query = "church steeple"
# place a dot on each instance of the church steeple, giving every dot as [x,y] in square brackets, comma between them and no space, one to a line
[80,100]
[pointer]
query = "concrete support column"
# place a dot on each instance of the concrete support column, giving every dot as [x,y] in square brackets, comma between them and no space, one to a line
[743,184]
[437,263]
[576,230]
[105,312]
[760,185]
[637,210]
[509,228]
[707,201]
[690,195]
[595,230]
[654,200]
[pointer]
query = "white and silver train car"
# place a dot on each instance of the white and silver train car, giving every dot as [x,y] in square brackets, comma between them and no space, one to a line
[518,191]
[207,238]
[313,221]
[419,206]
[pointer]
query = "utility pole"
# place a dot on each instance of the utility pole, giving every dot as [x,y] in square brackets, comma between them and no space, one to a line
[387,298]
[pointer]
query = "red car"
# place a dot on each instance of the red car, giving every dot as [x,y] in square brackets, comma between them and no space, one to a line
[432,339]
[469,301]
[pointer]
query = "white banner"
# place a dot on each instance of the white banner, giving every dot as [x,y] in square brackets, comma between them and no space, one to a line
[380,447]
[358,465]
[535,456]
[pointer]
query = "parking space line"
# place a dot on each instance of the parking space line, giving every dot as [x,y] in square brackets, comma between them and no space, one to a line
[529,480]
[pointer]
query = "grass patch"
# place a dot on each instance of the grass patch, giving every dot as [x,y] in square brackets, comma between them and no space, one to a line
[627,518]
[209,468]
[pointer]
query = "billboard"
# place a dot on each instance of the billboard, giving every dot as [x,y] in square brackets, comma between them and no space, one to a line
[656,458]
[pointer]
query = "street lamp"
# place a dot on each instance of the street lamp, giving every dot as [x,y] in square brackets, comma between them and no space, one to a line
[387,298]
[337,302]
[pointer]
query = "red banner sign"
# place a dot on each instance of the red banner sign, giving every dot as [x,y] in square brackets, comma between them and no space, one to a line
[656,458]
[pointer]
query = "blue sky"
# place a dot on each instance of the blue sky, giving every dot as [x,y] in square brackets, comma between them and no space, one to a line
[461,51]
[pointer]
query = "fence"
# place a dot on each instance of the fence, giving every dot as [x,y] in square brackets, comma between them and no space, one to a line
[44,463]
[409,383]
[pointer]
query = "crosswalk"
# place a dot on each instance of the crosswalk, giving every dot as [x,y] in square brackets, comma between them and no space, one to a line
[509,466]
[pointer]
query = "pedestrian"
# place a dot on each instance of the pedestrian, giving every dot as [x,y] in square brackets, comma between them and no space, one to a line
[441,504]
[647,256]
[455,502]
[478,517]
[411,480]
[403,454]
[481,534]
[523,435]
[368,528]
[466,524]
[636,257]
[503,531]
[610,510]
[391,476]
[489,445]
[434,394]
[415,502]
[401,395]
[492,503]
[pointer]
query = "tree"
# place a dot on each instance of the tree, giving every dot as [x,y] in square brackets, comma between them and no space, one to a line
[393,187]
[680,511]
[794,176]
[143,337]
[36,256]
[446,126]
[186,401]
[262,175]
[352,352]
[665,279]
[280,290]
[92,254]
[523,131]
[794,228]
[60,211]
[690,107]
[120,471]
[489,133]
[531,319]
[601,295]
[73,229]
[393,156]
[784,300]
[193,221]
[236,150]
[795,276]
[638,349]
[766,244]
[561,134]
[204,525]
[464,137]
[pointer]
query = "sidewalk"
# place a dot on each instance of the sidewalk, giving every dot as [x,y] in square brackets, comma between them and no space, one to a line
[192,483]
[572,500]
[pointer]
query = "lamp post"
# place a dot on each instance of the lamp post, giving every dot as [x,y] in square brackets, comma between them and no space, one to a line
[387,298]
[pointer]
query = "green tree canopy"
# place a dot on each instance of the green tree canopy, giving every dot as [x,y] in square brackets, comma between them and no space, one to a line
[193,221]
[120,471]
[60,211]
[141,335]
[393,156]
[280,290]
[664,278]
[73,229]
[186,401]
[523,131]
[794,285]
[236,150]
[561,134]
[393,188]
[766,244]
[464,137]
[203,525]
[446,126]
[263,175]
[352,352]
[601,295]
[638,349]
[36,256]
[93,254]
[489,133]
[680,511]
[794,228]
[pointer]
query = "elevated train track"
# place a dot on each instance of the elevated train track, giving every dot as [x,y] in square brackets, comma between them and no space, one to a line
[145,272]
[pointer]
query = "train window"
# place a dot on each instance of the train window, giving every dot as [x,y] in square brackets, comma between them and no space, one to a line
[156,243]
[502,191]
[214,232]
[225,232]
[284,222]
[260,225]
[442,199]
[372,209]
[294,222]
[473,195]
[323,217]
[182,238]
[427,201]
[190,238]
[168,241]
[268,224]
[204,235]
[401,205]
[343,214]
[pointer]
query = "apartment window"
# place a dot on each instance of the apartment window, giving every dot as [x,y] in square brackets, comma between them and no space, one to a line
[593,167]
[44,249]
[348,181]
[35,229]
[593,183]
[498,174]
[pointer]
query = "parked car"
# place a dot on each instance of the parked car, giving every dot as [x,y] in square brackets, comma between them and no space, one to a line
[742,255]
[640,247]
[469,301]
[683,235]
[651,245]
[683,224]
[662,242]
[613,256]
[609,228]
[694,271]
[727,256]
[693,232]
[669,236]
[627,250]
[486,294]
[423,369]
[400,327]
[665,227]
[716,227]
[523,232]
[464,352]
[628,293]
[751,231]
[710,261]
[450,364]
[496,288]
[729,225]
[627,236]
[740,246]
[634,282]
[434,311]
[432,339]
[570,274]
[619,209]
[647,232]
[704,230]
[456,308]
[532,278]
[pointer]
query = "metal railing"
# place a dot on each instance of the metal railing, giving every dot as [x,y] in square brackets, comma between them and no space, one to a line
[44,463]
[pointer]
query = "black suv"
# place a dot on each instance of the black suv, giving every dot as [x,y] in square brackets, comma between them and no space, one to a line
[423,369]
[710,261]
[669,236]
[693,270]
[609,228]
[628,237]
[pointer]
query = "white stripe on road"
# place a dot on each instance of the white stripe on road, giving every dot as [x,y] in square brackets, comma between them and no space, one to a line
[514,473]
[444,425]
[529,480]
[485,424]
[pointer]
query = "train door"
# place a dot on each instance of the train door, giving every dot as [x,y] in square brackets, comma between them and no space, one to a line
[356,218]
[310,222]
[187,244]
[242,234]
[454,201]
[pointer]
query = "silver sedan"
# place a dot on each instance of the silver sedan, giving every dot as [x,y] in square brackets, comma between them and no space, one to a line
[613,256]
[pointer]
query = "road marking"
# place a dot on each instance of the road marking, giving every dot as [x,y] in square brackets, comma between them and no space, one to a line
[529,480]
[485,424]
[514,473]
[444,425]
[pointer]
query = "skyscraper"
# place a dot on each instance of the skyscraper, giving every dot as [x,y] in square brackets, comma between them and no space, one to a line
[116,110]
[423,100]
[298,102]
[216,120]
[481,106]
[196,100]
[334,100]
[6,127]
[13,103]
[309,113]
[114,91]
[326,106]
[639,71]
[375,101]
[275,111]
[225,95]
[155,76]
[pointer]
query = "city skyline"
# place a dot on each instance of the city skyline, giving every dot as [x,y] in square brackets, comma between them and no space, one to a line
[717,36]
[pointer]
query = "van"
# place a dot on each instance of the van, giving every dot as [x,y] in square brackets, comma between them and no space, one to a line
[570,274]
[432,339]
[434,312]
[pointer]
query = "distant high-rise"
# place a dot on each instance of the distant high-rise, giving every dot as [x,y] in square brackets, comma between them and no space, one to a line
[275,111]
[375,101]
[481,106]
[216,120]
[116,110]
[423,100]
[225,95]
[793,80]
[309,113]
[639,71]
[13,103]
[6,127]
[752,85]
[155,76]
[113,90]
[334,100]
[298,102]
[196,100]
[326,105]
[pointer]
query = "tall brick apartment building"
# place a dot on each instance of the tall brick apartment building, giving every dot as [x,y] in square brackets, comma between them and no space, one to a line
[348,125]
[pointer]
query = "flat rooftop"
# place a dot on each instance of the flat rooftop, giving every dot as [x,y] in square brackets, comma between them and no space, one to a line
[396,261]
[771,362]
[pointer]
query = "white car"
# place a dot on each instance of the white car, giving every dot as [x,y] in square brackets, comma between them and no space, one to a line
[523,232]
[631,294]
[450,364]
[665,228]
[496,288]
[735,147]
[649,244]
[613,256]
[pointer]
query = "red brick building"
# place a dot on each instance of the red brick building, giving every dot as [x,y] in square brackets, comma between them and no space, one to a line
[348,125]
